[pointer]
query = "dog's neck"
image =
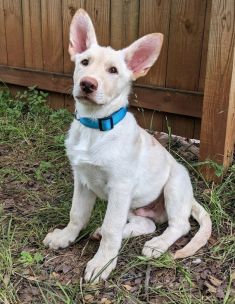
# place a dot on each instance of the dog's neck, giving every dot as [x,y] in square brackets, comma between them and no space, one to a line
[100,111]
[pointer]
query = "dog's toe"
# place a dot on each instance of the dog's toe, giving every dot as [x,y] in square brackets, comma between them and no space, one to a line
[59,238]
[154,248]
[98,269]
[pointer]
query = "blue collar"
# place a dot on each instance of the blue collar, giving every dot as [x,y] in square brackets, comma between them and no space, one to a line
[105,123]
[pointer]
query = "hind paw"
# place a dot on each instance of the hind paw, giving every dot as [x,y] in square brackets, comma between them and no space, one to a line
[154,248]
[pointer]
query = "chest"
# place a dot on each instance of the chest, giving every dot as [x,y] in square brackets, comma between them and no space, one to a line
[85,154]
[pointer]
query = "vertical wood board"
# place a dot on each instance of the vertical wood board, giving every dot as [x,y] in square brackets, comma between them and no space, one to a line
[14,32]
[32,34]
[69,8]
[217,130]
[99,11]
[202,76]
[124,23]
[52,38]
[185,43]
[155,17]
[3,44]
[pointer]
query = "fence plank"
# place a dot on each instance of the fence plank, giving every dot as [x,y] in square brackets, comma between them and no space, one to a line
[3,44]
[69,103]
[56,100]
[52,42]
[205,47]
[124,22]
[99,12]
[197,128]
[69,7]
[185,43]
[155,17]
[32,33]
[52,35]
[218,120]
[14,32]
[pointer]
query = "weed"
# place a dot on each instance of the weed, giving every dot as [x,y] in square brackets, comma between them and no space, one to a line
[218,169]
[43,168]
[33,100]
[29,259]
[169,130]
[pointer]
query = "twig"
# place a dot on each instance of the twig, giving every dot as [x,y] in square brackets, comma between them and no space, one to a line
[146,282]
[81,290]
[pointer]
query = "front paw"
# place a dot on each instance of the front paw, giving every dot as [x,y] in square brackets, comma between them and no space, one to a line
[59,238]
[99,268]
[154,248]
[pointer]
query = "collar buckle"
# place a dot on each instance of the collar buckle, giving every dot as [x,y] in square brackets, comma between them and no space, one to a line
[101,120]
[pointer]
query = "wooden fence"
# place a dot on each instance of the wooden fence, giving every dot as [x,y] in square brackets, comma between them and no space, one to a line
[34,43]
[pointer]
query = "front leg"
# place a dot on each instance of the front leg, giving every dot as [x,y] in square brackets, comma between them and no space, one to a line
[105,259]
[82,205]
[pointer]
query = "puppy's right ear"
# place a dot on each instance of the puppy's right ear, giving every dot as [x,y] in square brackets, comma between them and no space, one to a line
[82,33]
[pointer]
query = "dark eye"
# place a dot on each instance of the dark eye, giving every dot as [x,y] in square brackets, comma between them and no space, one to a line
[113,70]
[85,62]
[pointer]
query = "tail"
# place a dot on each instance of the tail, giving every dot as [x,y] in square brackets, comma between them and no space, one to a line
[201,237]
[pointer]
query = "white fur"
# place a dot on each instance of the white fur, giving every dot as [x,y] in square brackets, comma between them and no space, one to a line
[125,166]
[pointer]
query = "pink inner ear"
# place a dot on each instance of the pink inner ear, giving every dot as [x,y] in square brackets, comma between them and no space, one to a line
[81,37]
[137,61]
[142,57]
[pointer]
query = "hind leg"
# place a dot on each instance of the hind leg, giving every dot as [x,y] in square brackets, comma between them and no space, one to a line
[136,226]
[178,202]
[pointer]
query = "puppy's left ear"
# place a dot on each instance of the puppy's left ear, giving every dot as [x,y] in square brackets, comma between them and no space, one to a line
[82,33]
[142,54]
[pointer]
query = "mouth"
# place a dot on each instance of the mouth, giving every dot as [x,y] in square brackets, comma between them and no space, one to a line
[85,99]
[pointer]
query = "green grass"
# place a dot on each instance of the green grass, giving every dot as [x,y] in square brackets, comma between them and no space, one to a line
[35,196]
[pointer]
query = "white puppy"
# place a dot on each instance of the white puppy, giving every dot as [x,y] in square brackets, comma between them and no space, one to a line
[116,160]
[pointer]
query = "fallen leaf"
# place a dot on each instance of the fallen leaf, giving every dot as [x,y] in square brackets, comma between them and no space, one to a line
[138,281]
[127,287]
[34,290]
[105,301]
[66,268]
[210,287]
[156,301]
[6,279]
[26,298]
[55,275]
[233,276]
[89,298]
[220,292]
[31,278]
[205,274]
[216,282]
[207,191]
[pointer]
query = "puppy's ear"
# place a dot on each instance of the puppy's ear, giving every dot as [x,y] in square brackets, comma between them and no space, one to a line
[82,33]
[142,54]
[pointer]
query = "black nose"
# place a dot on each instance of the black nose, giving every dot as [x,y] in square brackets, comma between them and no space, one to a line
[88,85]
